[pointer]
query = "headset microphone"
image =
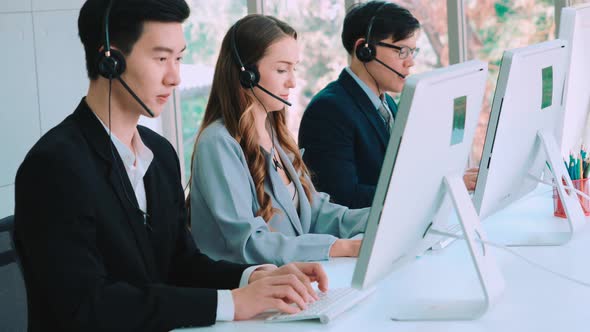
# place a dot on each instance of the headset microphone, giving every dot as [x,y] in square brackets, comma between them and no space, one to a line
[388,67]
[249,75]
[273,95]
[249,78]
[135,96]
[111,63]
[367,52]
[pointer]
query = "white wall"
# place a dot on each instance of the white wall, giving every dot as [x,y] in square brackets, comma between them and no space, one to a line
[43,78]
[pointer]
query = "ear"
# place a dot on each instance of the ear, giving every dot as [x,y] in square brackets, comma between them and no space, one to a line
[101,48]
[359,42]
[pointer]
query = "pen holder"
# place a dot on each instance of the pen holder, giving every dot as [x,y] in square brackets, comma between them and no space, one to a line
[582,185]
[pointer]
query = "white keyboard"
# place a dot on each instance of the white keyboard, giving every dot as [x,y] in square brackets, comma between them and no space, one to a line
[330,305]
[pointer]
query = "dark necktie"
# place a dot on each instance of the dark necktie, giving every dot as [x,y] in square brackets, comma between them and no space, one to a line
[386,115]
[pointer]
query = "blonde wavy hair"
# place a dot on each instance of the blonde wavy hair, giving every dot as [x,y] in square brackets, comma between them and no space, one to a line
[231,103]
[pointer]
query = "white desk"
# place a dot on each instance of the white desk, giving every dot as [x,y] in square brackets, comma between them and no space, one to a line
[532,301]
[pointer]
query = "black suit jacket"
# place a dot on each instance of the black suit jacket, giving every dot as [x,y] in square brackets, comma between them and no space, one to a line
[345,139]
[90,263]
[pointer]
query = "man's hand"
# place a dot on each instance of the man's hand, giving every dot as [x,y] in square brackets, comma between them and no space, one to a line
[470,178]
[305,272]
[278,288]
[269,293]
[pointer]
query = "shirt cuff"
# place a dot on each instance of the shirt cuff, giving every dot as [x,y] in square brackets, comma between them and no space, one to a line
[225,301]
[225,306]
[248,272]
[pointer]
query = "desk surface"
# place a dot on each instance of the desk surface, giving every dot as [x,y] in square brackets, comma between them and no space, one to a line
[533,300]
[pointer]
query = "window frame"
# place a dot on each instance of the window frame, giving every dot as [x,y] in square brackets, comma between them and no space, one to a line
[457,37]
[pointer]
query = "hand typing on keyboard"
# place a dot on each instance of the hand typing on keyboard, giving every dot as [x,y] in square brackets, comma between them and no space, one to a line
[278,288]
[330,305]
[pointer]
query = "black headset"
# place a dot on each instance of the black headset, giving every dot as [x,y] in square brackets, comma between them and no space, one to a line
[111,63]
[249,78]
[249,74]
[367,52]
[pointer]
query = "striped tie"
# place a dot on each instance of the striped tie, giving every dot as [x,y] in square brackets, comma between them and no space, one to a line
[386,115]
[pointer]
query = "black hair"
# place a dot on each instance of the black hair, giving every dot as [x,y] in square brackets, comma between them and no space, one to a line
[391,21]
[125,24]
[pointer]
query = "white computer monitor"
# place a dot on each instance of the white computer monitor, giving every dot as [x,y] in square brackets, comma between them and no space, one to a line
[526,115]
[575,29]
[423,168]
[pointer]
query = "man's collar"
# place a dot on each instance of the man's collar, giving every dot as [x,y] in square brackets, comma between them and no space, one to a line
[142,153]
[372,96]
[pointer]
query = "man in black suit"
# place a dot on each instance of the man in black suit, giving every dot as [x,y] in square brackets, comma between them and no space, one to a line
[346,126]
[100,221]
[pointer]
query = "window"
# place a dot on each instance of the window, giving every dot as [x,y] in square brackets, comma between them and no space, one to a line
[204,31]
[433,39]
[492,27]
[319,26]
[495,26]
[433,36]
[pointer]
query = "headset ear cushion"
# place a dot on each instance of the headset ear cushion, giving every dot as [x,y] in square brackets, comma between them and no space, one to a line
[366,53]
[111,67]
[249,77]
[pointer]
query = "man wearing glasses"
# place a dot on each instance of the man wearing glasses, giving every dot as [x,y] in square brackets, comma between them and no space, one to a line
[346,126]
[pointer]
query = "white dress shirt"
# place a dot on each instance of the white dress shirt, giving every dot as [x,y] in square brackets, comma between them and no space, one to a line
[136,165]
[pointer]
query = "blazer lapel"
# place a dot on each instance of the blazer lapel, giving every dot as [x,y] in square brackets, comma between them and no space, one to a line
[281,194]
[365,105]
[155,219]
[134,217]
[99,139]
[304,207]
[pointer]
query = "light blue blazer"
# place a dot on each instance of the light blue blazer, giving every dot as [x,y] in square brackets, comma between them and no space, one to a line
[224,205]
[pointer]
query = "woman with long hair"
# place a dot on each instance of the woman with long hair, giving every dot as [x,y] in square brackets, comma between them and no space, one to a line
[251,197]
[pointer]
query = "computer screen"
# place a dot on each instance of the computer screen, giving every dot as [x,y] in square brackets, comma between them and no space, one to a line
[521,149]
[528,99]
[575,29]
[426,156]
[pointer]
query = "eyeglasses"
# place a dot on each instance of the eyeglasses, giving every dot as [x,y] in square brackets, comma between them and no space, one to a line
[403,51]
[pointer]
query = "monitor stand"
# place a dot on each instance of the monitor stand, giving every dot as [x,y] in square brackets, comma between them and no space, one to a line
[490,278]
[569,199]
